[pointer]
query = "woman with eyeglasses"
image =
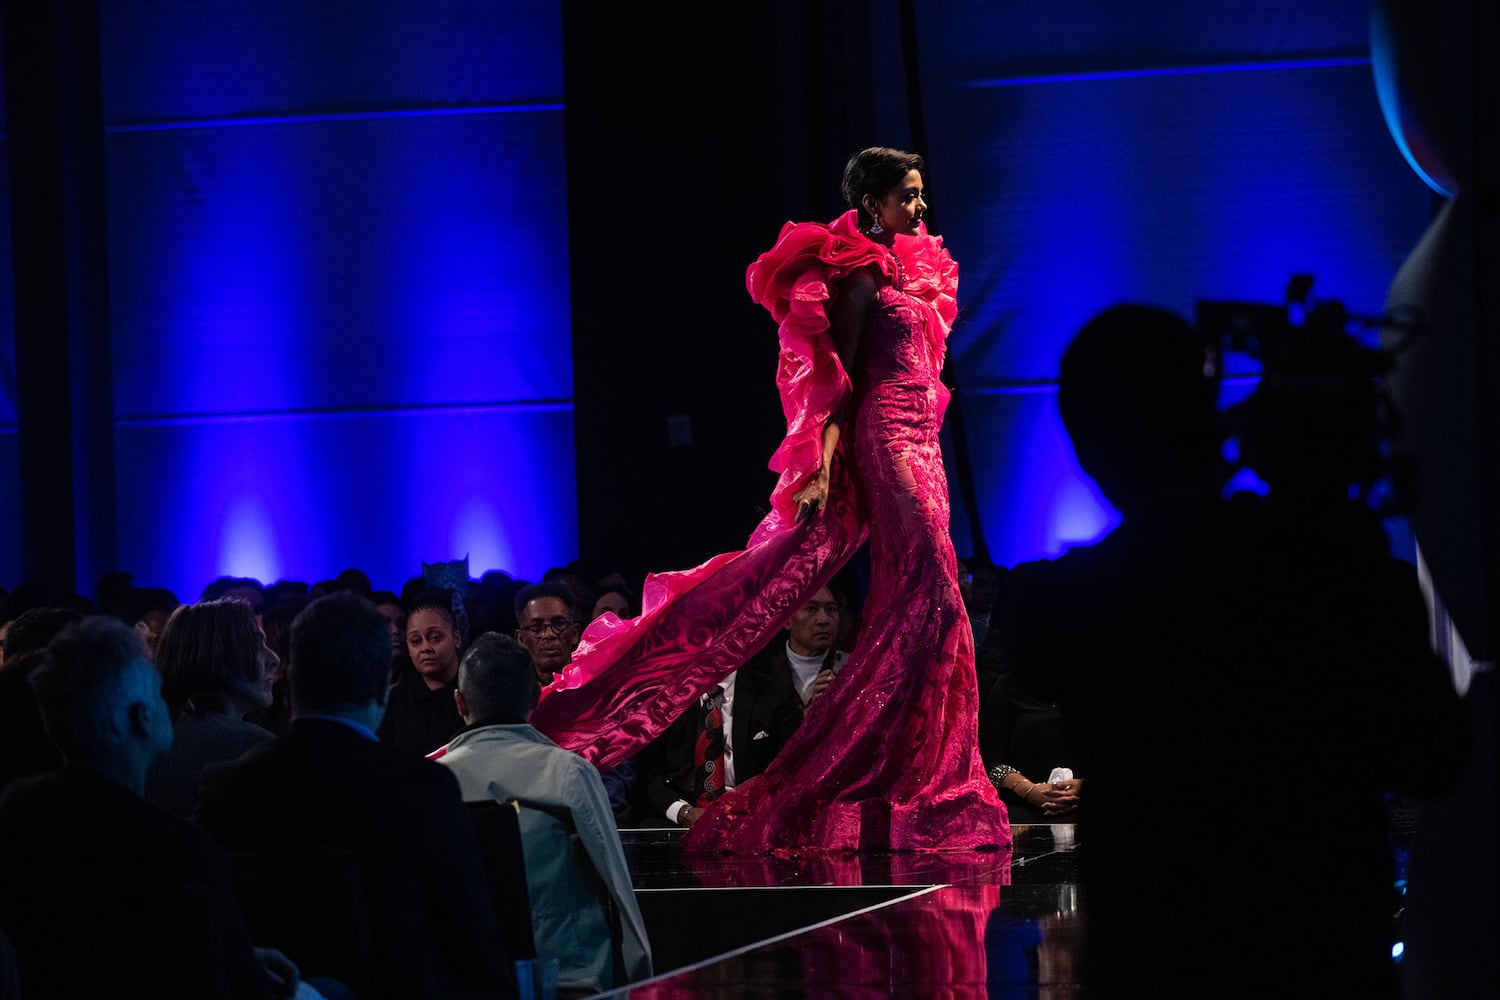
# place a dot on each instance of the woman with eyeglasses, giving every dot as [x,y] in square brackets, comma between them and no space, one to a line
[887,758]
[421,714]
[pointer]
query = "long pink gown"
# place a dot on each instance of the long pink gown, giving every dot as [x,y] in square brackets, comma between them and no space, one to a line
[887,759]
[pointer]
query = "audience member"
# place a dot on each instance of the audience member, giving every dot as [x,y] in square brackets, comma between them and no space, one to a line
[328,781]
[33,629]
[1020,738]
[31,595]
[580,594]
[979,583]
[808,659]
[244,588]
[847,591]
[83,840]
[493,598]
[1020,733]
[321,588]
[412,587]
[575,865]
[112,591]
[148,608]
[984,601]
[216,668]
[287,591]
[1259,667]
[389,605]
[547,628]
[277,623]
[421,715]
[727,736]
[615,600]
[24,746]
[355,581]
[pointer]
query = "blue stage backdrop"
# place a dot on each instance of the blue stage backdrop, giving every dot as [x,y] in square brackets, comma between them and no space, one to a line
[340,275]
[339,269]
[1161,153]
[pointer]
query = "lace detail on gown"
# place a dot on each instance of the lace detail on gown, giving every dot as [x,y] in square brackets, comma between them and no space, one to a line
[888,757]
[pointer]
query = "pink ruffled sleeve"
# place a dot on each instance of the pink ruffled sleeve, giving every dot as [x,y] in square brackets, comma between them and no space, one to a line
[796,280]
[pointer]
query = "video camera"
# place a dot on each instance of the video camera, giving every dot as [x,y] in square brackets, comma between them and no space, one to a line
[1319,425]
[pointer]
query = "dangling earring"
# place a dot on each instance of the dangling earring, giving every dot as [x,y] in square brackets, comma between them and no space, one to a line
[876,228]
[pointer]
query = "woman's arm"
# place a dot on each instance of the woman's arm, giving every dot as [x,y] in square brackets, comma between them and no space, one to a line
[848,314]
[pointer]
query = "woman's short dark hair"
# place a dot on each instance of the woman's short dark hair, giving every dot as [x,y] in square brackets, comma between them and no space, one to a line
[206,650]
[875,171]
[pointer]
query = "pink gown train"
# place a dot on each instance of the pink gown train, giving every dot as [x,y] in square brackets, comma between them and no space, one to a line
[887,759]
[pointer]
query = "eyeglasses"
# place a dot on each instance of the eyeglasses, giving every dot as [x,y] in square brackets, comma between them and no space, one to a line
[557,626]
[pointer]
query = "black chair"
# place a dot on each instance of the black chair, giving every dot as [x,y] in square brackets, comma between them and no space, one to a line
[327,938]
[498,828]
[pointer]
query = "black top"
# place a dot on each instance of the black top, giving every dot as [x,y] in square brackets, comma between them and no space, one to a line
[419,718]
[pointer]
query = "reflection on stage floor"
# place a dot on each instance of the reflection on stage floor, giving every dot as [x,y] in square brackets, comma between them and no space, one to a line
[960,924]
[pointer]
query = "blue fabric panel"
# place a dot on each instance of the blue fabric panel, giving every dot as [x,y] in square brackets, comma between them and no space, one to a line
[184,59]
[305,497]
[979,39]
[1167,190]
[340,264]
[339,280]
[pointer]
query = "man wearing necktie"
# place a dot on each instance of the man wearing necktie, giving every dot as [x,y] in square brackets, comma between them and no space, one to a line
[728,735]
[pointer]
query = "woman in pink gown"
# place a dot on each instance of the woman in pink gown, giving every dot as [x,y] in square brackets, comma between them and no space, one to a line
[887,759]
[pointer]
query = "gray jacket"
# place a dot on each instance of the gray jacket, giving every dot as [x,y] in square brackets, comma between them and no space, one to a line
[572,848]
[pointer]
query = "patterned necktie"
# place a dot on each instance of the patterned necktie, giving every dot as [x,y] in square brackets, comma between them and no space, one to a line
[709,752]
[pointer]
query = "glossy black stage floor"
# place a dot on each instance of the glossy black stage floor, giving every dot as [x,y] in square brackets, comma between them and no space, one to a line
[965,924]
[1010,924]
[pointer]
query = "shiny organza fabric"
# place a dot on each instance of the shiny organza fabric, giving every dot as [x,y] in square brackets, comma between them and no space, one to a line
[887,758]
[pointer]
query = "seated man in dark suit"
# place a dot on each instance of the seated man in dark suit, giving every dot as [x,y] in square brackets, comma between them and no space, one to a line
[83,842]
[729,735]
[809,659]
[328,781]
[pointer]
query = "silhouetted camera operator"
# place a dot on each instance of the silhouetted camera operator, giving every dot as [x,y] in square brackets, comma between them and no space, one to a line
[1242,680]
